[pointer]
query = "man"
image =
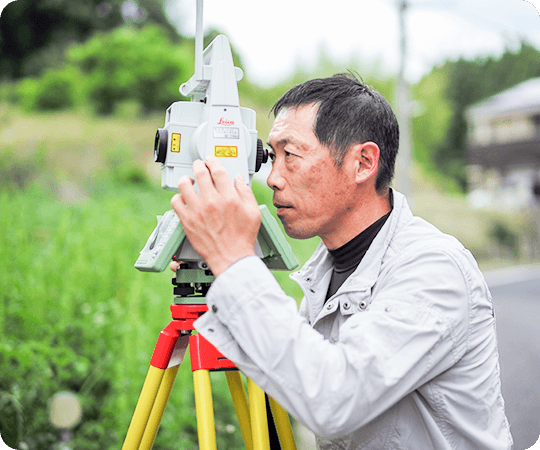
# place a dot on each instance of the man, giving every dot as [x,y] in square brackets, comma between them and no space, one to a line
[394,346]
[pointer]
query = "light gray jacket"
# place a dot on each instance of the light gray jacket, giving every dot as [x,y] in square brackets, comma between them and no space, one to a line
[403,356]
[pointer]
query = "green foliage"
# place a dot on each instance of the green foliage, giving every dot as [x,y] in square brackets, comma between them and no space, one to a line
[143,65]
[133,64]
[429,128]
[35,33]
[57,89]
[104,54]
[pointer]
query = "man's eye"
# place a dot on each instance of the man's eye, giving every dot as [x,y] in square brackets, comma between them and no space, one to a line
[272,156]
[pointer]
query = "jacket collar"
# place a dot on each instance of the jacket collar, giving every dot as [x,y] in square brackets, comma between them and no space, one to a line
[314,277]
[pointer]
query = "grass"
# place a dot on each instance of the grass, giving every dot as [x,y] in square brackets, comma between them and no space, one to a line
[67,280]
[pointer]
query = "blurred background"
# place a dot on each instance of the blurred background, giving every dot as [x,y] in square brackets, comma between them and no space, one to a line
[84,85]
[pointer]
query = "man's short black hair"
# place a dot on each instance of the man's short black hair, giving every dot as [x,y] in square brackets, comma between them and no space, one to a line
[350,112]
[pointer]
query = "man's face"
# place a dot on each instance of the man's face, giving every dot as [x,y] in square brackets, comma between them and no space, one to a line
[311,195]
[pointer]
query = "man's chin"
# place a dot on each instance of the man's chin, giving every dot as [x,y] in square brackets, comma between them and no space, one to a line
[295,232]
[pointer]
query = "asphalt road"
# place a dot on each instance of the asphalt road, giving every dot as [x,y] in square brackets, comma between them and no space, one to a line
[516,300]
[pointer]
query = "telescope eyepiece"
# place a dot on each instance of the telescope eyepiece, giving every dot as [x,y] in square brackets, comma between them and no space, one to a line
[160,146]
[262,155]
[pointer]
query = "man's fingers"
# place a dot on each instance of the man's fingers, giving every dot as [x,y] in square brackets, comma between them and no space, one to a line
[213,182]
[177,202]
[244,191]
[187,191]
[174,265]
[219,174]
[211,176]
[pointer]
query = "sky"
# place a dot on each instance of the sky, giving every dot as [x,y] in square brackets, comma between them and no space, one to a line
[275,37]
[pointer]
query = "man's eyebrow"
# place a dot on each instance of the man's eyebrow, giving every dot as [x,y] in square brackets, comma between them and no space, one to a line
[280,143]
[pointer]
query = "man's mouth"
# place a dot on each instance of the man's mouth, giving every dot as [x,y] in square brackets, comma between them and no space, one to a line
[280,206]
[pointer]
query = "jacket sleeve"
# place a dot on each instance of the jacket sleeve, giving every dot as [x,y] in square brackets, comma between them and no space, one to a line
[414,329]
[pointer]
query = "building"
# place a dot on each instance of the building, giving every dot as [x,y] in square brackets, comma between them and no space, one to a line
[504,148]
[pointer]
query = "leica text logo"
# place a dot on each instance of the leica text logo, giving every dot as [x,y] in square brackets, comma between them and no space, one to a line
[226,122]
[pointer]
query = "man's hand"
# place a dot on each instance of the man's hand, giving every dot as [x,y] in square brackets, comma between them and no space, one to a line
[222,222]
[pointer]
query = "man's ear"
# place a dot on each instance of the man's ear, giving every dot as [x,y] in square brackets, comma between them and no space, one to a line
[366,159]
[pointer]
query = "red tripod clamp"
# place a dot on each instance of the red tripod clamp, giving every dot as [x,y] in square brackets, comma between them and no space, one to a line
[203,354]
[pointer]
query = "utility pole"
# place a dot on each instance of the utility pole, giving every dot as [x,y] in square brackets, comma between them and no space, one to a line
[403,113]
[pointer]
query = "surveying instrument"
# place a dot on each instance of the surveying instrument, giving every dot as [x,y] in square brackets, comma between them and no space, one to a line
[212,123]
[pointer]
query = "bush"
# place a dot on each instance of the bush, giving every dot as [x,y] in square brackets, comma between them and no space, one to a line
[57,89]
[136,64]
[123,64]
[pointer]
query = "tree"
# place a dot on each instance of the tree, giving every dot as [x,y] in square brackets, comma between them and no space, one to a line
[133,64]
[34,34]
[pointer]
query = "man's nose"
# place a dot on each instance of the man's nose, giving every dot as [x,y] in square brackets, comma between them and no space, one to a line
[275,181]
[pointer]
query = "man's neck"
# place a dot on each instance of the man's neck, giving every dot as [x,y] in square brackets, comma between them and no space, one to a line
[365,213]
[348,257]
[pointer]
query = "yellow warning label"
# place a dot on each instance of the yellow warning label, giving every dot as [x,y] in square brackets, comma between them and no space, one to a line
[225,151]
[175,142]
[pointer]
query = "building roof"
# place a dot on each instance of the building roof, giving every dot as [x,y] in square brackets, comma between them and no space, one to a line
[521,99]
[523,154]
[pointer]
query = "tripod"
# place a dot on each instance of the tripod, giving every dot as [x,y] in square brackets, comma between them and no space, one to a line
[166,359]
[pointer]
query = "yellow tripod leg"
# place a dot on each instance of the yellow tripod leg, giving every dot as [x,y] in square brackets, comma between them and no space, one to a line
[241,406]
[283,426]
[143,408]
[259,421]
[159,406]
[205,410]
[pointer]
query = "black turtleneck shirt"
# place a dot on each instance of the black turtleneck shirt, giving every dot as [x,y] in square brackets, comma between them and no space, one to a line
[347,257]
